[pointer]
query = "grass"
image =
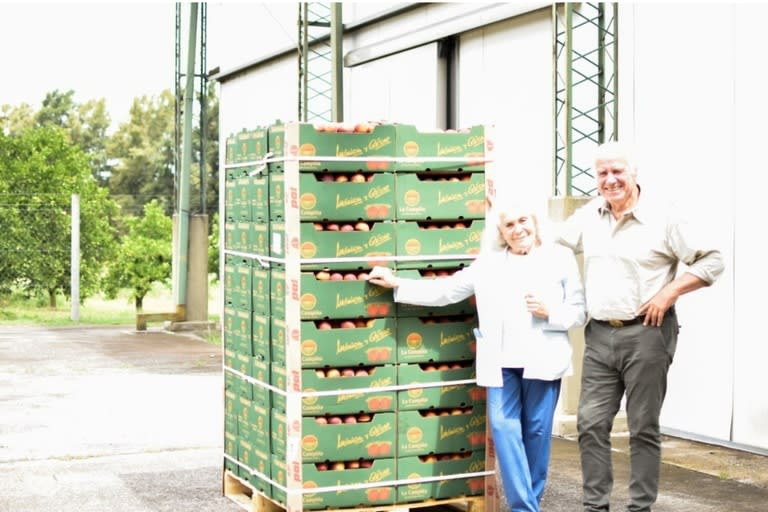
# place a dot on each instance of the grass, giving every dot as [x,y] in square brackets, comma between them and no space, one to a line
[94,310]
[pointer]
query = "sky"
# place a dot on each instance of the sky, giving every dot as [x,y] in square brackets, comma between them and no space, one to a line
[120,50]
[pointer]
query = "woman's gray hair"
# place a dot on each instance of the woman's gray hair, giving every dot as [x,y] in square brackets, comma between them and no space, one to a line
[516,211]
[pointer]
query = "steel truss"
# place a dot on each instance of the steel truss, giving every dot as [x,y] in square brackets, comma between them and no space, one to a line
[586,91]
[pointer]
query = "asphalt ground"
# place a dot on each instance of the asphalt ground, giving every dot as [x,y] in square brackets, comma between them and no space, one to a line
[107,418]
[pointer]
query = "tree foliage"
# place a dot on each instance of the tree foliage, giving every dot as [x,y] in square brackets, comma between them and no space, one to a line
[39,171]
[85,125]
[143,149]
[144,257]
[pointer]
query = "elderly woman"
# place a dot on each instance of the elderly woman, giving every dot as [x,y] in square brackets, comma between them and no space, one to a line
[528,295]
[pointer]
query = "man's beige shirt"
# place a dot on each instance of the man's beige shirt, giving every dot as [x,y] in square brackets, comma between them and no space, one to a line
[627,261]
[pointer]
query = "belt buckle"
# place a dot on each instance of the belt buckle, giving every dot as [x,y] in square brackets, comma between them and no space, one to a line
[616,323]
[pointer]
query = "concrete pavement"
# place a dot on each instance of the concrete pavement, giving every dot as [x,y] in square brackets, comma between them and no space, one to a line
[105,418]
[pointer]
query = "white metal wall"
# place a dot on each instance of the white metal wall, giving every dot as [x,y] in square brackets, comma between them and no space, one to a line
[748,182]
[403,88]
[676,104]
[505,79]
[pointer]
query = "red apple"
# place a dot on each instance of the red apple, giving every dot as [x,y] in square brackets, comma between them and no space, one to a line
[348,324]
[332,227]
[347,227]
[335,420]
[350,276]
[350,419]
[324,325]
[337,276]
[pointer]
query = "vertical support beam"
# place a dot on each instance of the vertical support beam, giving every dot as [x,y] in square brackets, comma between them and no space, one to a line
[182,249]
[337,69]
[75,260]
[315,66]
[203,159]
[586,90]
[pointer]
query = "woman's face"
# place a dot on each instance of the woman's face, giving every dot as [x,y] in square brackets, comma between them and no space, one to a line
[519,231]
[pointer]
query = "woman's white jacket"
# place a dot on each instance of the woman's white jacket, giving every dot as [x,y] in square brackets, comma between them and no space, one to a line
[546,350]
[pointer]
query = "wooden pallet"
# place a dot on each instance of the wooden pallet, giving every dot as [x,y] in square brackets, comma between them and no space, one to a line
[252,500]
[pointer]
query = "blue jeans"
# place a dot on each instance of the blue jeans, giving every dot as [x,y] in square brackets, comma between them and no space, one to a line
[520,414]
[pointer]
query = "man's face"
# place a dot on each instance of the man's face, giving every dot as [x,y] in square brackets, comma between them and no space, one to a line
[615,182]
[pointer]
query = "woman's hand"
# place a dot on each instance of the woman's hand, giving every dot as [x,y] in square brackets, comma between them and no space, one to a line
[535,307]
[382,276]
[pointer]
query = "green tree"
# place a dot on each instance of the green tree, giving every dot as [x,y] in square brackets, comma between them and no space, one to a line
[85,124]
[213,247]
[39,171]
[143,150]
[144,257]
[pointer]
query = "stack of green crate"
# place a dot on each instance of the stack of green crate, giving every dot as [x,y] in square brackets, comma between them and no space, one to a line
[329,383]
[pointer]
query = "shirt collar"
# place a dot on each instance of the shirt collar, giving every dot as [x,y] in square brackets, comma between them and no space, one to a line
[637,211]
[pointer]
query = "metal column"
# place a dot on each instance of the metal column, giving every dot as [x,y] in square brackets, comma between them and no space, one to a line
[586,90]
[320,81]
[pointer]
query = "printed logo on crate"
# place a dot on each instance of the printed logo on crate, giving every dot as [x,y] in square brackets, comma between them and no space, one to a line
[347,342]
[359,143]
[341,197]
[438,464]
[435,196]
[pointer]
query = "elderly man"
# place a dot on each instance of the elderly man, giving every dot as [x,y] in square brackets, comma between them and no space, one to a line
[632,246]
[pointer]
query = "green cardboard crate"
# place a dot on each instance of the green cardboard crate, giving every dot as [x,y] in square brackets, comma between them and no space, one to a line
[439,239]
[352,403]
[464,307]
[363,197]
[373,344]
[335,294]
[441,338]
[440,150]
[427,196]
[276,196]
[419,396]
[320,442]
[439,465]
[260,289]
[381,470]
[348,151]
[424,432]
[355,249]
[276,146]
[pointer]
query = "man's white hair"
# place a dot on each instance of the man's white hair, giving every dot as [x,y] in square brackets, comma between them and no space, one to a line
[619,151]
